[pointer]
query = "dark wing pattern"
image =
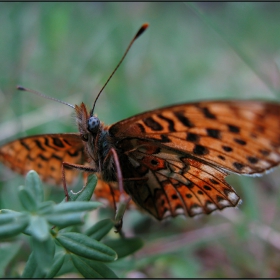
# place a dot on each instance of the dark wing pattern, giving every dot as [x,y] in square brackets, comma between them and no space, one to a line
[238,136]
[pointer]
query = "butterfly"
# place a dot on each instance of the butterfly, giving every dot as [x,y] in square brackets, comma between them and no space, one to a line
[169,161]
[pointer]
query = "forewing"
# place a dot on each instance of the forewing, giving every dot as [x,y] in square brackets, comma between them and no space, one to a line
[45,154]
[238,136]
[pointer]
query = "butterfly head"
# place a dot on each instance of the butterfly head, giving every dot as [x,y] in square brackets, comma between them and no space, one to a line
[93,124]
[89,125]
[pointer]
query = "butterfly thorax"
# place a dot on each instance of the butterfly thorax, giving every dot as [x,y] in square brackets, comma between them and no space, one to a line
[97,143]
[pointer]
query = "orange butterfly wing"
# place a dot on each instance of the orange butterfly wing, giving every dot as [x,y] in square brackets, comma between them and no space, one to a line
[183,153]
[239,136]
[45,154]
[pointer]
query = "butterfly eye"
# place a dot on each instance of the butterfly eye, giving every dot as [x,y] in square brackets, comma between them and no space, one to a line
[84,137]
[93,124]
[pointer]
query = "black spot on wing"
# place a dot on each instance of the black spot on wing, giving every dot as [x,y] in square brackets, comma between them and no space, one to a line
[238,166]
[58,142]
[67,142]
[39,145]
[165,139]
[207,113]
[183,119]
[190,185]
[252,160]
[227,148]
[240,141]
[214,133]
[151,123]
[221,157]
[213,181]
[233,128]
[154,162]
[141,127]
[47,143]
[43,158]
[25,145]
[192,137]
[57,157]
[200,150]
[207,188]
[170,122]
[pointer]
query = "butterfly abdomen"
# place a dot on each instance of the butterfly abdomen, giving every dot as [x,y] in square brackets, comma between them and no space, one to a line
[105,144]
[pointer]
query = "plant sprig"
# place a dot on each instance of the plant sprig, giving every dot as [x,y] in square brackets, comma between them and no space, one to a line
[49,226]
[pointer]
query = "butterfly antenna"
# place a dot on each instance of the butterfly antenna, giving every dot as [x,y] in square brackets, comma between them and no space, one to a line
[44,96]
[140,31]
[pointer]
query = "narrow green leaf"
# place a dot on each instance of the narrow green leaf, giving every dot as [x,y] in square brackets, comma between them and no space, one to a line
[84,268]
[84,246]
[12,226]
[44,252]
[75,206]
[92,269]
[67,266]
[86,193]
[39,228]
[70,213]
[65,220]
[100,268]
[27,199]
[31,269]
[57,264]
[100,229]
[8,217]
[34,184]
[125,247]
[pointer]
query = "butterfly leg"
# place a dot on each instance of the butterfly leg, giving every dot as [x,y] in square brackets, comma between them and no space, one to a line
[74,166]
[123,202]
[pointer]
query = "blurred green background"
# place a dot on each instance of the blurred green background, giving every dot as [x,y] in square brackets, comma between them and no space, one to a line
[190,52]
